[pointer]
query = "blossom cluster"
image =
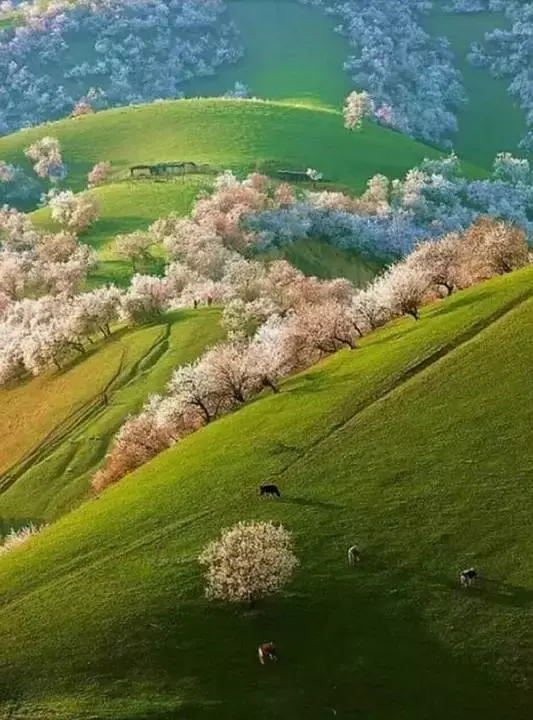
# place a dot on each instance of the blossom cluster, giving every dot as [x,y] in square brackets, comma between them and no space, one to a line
[409,75]
[393,216]
[249,561]
[134,51]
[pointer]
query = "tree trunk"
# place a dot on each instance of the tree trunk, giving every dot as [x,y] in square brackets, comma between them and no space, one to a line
[267,382]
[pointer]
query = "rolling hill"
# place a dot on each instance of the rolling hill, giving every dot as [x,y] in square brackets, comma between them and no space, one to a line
[417,446]
[243,135]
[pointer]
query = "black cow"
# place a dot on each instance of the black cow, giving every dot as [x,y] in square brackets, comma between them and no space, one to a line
[468,577]
[269,490]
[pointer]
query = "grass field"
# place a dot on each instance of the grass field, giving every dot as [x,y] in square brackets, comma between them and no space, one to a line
[492,121]
[291,53]
[417,446]
[55,429]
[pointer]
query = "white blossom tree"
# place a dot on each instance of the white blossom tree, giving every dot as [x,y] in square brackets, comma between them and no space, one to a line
[249,562]
[357,106]
[46,157]
[135,247]
[74,212]
[407,287]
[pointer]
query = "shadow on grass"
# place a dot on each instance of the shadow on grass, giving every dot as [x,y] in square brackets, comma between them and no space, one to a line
[448,305]
[7,524]
[348,648]
[310,503]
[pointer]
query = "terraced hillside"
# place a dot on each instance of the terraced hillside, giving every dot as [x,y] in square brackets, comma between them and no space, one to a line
[417,446]
[56,429]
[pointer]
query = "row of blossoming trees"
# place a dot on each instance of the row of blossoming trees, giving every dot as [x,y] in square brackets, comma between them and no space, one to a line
[134,51]
[278,320]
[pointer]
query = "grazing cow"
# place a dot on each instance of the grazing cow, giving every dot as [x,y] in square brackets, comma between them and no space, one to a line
[269,490]
[354,555]
[267,651]
[468,577]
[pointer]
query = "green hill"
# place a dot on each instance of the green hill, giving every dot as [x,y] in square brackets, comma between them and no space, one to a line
[55,429]
[416,446]
[292,52]
[242,135]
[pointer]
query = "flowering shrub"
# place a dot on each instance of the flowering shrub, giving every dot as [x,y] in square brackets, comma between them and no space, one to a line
[134,51]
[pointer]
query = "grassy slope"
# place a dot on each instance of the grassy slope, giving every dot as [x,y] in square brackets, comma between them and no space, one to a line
[414,446]
[56,429]
[291,53]
[492,121]
[242,135]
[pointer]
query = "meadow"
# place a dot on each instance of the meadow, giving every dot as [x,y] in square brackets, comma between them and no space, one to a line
[416,446]
[388,446]
[482,130]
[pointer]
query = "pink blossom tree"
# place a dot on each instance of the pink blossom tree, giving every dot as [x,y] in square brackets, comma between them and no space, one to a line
[99,174]
[46,156]
[146,298]
[357,106]
[73,212]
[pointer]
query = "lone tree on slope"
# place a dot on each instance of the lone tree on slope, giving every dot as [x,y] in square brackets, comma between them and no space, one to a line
[248,562]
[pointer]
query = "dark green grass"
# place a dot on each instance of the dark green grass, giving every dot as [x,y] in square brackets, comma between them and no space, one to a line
[291,53]
[492,121]
[50,470]
[417,446]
